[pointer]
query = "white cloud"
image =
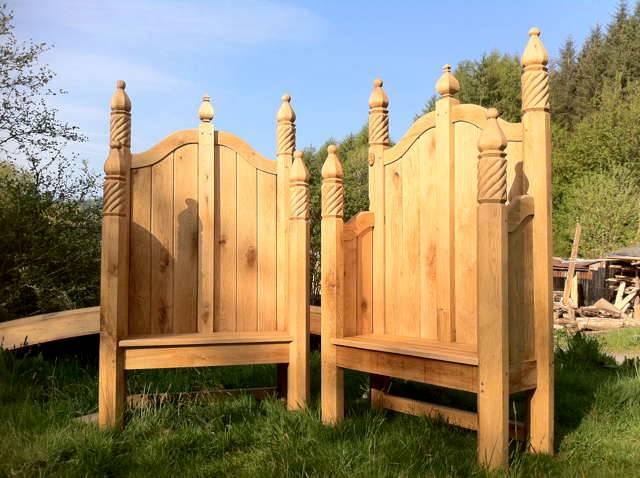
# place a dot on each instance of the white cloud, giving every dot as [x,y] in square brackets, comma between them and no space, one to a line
[174,25]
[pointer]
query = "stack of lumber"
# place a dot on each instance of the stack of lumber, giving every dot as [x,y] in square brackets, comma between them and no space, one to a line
[602,315]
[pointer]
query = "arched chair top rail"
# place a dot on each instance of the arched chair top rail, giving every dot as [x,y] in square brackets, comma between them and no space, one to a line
[163,148]
[243,148]
[190,136]
[357,225]
[468,113]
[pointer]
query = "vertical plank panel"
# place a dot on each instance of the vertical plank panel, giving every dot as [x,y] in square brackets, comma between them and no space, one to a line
[428,238]
[162,246]
[206,226]
[392,232]
[267,252]
[225,260]
[365,283]
[466,236]
[444,224]
[409,307]
[247,247]
[350,298]
[185,290]
[516,182]
[140,250]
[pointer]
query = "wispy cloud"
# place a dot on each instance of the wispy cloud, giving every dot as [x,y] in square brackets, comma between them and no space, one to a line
[174,25]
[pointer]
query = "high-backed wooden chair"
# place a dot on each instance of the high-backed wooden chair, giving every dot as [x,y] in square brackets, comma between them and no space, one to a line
[205,248]
[446,280]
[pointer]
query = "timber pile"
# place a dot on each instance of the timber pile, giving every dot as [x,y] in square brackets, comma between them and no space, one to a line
[602,315]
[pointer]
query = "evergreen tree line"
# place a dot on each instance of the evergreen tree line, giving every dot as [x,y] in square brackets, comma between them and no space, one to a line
[50,210]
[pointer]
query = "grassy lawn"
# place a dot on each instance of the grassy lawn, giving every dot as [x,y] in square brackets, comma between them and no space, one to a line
[598,426]
[621,341]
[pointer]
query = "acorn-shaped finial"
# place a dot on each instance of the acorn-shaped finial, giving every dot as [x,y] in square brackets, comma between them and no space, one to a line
[378,98]
[535,53]
[448,84]
[120,100]
[299,171]
[492,138]
[332,167]
[286,113]
[205,112]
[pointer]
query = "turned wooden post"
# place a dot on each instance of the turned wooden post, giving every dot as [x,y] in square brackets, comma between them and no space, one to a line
[206,217]
[332,292]
[114,278]
[379,140]
[493,332]
[285,145]
[444,165]
[298,296]
[537,167]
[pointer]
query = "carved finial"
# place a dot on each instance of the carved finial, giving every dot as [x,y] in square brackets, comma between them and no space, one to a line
[299,188]
[120,131]
[535,77]
[205,112]
[286,128]
[448,84]
[120,100]
[378,118]
[332,167]
[535,53]
[332,185]
[492,162]
[378,98]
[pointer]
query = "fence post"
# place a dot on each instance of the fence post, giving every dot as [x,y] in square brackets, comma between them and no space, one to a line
[298,297]
[114,276]
[536,123]
[332,289]
[493,333]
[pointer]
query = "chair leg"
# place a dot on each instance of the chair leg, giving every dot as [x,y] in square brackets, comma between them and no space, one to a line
[541,419]
[332,386]
[493,425]
[111,386]
[298,375]
[378,385]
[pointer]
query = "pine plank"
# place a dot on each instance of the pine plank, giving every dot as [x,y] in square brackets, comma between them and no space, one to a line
[267,252]
[247,247]
[162,263]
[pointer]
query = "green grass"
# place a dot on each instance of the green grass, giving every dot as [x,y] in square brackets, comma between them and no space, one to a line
[620,341]
[598,426]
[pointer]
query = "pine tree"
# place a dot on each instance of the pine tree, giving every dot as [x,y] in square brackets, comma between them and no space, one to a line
[563,86]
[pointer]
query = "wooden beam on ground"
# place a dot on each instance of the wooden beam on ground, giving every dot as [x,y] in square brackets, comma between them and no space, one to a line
[49,327]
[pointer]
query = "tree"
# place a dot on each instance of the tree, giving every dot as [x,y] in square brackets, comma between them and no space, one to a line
[49,210]
[563,86]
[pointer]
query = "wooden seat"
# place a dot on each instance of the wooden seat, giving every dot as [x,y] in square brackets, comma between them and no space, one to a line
[446,280]
[205,256]
[430,349]
[178,340]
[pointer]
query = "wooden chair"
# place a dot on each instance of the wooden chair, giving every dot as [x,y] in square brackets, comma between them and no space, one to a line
[205,248]
[446,280]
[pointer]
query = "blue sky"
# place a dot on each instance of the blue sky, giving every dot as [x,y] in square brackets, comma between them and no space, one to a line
[245,54]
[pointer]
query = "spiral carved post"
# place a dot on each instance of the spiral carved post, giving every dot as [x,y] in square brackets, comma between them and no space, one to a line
[298,293]
[285,146]
[536,123]
[378,141]
[332,283]
[114,279]
[493,333]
